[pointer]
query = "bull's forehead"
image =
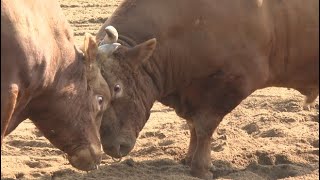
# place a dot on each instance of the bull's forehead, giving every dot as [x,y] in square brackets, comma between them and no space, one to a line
[106,50]
[108,64]
[110,67]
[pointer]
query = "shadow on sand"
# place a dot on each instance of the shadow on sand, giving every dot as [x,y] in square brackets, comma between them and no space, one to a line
[167,169]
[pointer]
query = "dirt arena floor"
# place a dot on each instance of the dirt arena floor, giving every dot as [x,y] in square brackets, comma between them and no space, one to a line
[268,136]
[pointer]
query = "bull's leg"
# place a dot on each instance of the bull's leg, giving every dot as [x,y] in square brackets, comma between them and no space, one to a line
[8,102]
[192,144]
[204,124]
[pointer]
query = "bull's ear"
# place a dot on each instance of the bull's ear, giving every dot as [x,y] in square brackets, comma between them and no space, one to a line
[89,48]
[141,53]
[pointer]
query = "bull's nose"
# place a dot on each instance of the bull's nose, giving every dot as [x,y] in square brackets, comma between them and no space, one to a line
[86,159]
[125,149]
[112,150]
[118,150]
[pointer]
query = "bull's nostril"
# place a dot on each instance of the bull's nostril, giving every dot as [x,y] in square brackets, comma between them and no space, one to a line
[125,149]
[117,150]
[113,151]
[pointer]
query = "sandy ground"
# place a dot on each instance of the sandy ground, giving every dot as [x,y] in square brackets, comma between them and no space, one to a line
[268,136]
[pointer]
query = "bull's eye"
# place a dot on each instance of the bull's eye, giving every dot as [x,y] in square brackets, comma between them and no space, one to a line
[100,100]
[117,88]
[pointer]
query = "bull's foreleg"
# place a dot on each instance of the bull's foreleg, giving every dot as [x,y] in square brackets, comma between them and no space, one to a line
[192,144]
[204,125]
[8,103]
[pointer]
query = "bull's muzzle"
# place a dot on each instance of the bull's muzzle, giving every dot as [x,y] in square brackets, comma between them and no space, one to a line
[118,150]
[87,158]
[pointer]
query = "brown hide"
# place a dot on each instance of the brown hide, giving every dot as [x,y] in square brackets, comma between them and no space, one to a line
[44,77]
[209,56]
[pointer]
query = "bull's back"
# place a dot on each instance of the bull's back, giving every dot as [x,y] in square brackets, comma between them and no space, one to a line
[303,41]
[295,55]
[206,31]
[228,32]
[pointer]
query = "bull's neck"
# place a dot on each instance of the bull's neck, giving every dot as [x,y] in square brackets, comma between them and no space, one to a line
[51,72]
[65,66]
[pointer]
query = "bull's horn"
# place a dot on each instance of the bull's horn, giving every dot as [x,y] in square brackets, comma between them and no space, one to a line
[111,36]
[107,49]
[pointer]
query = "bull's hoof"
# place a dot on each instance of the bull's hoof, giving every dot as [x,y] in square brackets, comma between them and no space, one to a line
[202,174]
[309,106]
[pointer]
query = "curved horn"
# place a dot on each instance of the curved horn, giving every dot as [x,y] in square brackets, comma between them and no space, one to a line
[107,49]
[111,35]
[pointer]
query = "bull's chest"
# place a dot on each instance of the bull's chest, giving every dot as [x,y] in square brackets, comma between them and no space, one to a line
[215,93]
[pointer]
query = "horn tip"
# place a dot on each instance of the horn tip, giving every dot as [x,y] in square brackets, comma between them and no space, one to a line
[111,29]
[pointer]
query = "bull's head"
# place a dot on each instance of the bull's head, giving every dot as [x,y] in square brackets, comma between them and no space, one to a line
[128,112]
[72,113]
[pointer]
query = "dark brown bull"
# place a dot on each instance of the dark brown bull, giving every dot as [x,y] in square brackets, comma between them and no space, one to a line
[209,55]
[44,77]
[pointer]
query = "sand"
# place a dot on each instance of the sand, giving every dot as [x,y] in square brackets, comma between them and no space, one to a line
[268,136]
